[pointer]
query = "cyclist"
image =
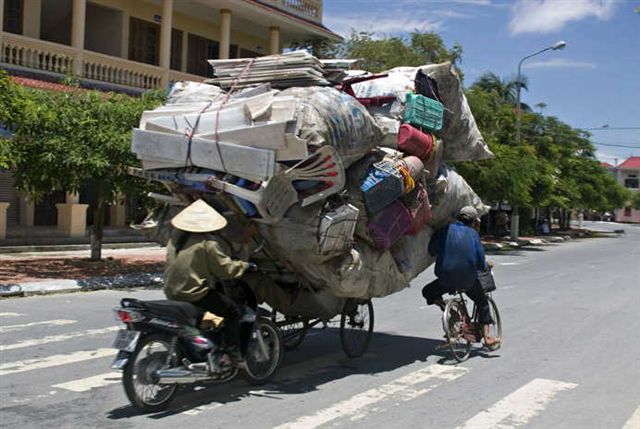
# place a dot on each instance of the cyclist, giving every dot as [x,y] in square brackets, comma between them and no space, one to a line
[459,256]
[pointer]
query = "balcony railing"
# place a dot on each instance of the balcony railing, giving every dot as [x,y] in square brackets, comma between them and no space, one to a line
[51,57]
[307,9]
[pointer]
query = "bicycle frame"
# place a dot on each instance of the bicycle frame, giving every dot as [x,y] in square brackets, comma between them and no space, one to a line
[471,329]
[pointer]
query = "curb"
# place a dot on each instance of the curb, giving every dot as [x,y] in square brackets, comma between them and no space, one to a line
[85,285]
[72,247]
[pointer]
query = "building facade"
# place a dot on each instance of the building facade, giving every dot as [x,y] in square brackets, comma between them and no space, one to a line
[132,46]
[628,175]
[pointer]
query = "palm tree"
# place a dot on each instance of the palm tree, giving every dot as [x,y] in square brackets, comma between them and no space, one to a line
[506,89]
[541,106]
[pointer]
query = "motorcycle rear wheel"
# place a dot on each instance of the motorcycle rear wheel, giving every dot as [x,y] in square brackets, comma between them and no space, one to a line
[138,377]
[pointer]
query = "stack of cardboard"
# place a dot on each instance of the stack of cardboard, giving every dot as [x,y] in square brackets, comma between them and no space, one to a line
[297,68]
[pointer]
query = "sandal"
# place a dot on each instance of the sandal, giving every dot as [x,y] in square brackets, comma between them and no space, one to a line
[493,347]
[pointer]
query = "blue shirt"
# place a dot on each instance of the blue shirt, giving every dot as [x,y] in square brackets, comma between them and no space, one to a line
[459,255]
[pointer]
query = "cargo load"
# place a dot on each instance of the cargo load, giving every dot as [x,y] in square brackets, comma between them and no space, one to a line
[342,185]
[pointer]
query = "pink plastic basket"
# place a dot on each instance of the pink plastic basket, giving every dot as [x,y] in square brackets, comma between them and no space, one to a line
[389,225]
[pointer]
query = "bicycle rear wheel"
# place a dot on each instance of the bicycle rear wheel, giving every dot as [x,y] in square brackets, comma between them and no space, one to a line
[453,320]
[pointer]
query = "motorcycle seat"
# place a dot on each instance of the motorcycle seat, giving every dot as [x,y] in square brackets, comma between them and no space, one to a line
[182,312]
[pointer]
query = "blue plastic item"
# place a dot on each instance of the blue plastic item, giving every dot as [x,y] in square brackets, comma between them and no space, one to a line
[382,186]
[247,207]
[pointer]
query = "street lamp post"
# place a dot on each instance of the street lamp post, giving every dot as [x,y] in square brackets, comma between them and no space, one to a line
[515,218]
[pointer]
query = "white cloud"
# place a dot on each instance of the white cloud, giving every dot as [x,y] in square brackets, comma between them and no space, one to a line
[390,23]
[452,14]
[559,63]
[547,16]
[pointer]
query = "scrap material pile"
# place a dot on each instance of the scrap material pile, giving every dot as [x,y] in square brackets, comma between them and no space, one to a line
[345,184]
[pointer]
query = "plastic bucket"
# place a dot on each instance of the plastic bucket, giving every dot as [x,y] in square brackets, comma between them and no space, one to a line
[414,142]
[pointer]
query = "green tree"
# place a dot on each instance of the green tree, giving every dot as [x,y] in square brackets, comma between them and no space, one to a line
[505,89]
[378,54]
[61,140]
[635,200]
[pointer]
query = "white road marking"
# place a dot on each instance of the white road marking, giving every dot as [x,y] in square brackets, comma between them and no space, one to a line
[398,389]
[518,408]
[202,408]
[57,338]
[9,314]
[509,263]
[56,322]
[84,384]
[55,360]
[634,420]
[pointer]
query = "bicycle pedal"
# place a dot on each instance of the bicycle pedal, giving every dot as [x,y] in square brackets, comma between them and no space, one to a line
[442,346]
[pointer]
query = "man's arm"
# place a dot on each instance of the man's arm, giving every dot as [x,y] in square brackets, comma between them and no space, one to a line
[481,263]
[221,265]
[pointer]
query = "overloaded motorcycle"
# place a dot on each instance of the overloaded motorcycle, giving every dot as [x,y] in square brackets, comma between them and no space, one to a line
[163,346]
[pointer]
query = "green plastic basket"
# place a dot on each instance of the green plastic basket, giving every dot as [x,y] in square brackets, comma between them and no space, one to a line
[423,112]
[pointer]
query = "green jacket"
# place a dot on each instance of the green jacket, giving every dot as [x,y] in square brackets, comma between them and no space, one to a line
[202,261]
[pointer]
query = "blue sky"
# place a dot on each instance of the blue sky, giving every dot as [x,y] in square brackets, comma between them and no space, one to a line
[593,82]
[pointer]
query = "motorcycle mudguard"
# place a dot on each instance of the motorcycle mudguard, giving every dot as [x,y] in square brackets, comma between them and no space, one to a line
[121,359]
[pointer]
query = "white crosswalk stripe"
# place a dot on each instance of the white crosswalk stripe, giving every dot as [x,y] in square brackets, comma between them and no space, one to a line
[401,388]
[56,322]
[518,408]
[58,338]
[85,384]
[634,420]
[10,314]
[55,360]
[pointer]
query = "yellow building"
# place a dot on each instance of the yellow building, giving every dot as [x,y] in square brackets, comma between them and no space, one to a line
[132,46]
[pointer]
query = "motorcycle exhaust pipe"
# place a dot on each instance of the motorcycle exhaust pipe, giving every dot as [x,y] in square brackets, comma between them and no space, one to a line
[180,376]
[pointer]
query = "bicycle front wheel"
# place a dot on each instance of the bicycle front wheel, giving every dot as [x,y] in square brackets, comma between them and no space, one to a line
[495,329]
[453,321]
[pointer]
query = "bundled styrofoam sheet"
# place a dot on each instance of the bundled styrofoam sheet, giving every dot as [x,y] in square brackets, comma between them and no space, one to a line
[250,163]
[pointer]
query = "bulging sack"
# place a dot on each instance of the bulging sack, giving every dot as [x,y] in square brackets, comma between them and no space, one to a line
[460,133]
[327,116]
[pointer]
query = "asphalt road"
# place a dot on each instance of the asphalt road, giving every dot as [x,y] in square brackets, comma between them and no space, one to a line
[571,359]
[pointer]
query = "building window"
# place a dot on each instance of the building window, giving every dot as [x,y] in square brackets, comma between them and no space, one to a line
[233,51]
[200,50]
[632,182]
[144,41]
[176,49]
[13,10]
[627,212]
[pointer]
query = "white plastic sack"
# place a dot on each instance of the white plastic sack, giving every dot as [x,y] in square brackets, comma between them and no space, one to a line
[328,116]
[450,198]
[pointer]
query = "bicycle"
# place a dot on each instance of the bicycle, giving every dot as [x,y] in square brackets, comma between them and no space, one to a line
[461,331]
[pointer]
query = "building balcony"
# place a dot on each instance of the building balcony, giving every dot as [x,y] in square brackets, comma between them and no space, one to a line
[58,60]
[306,9]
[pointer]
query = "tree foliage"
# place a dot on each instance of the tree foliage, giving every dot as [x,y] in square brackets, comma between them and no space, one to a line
[61,140]
[553,167]
[382,53]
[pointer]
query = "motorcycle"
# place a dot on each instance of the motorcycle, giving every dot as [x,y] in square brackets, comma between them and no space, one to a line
[163,347]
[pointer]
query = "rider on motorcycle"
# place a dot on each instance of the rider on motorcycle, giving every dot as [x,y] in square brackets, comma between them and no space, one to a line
[459,256]
[198,262]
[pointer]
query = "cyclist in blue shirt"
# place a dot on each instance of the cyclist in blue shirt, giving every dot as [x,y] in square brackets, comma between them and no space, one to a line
[459,256]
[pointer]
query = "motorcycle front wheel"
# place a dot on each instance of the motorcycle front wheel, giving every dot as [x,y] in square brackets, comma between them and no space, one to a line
[138,377]
[264,353]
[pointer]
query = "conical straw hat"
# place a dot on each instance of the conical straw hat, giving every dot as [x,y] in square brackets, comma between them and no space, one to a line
[199,217]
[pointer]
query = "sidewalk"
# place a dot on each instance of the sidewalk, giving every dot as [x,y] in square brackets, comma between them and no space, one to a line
[54,271]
